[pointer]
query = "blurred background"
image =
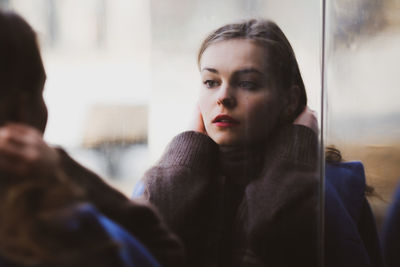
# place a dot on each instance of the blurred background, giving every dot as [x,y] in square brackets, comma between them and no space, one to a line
[122,74]
[363,92]
[97,58]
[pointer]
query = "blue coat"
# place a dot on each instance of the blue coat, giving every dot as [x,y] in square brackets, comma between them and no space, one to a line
[391,232]
[351,237]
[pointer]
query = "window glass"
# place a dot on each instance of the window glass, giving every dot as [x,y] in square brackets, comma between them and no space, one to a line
[123,80]
[363,111]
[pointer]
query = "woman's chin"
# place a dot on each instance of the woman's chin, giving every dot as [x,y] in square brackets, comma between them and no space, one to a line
[227,140]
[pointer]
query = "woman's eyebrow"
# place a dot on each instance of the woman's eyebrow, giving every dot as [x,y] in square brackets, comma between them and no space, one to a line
[210,70]
[248,70]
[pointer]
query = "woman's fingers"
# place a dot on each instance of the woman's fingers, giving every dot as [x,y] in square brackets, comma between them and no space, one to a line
[308,118]
[18,135]
[23,151]
[197,123]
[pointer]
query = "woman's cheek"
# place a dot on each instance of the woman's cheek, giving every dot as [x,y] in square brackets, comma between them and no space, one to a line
[204,105]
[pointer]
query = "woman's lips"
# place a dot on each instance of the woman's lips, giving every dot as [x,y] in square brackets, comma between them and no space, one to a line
[225,121]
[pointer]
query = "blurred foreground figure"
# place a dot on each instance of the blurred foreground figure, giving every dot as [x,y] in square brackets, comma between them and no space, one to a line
[54,212]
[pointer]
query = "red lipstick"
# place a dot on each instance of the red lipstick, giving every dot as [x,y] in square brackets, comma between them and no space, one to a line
[223,120]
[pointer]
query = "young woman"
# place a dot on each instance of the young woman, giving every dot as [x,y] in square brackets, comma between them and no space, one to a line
[240,188]
[54,212]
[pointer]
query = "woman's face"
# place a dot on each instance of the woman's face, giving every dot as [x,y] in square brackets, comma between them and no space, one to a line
[239,101]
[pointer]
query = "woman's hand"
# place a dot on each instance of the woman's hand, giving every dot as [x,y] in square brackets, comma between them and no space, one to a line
[23,152]
[309,119]
[197,123]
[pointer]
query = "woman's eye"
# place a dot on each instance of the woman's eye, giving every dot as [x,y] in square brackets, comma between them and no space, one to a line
[248,85]
[210,83]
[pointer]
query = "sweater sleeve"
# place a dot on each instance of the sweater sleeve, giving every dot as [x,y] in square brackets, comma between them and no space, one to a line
[139,219]
[280,217]
[184,186]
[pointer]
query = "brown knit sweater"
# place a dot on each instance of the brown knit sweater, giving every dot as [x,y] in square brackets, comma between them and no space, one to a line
[250,206]
[139,219]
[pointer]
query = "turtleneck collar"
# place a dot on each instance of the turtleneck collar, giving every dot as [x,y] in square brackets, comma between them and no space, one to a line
[241,164]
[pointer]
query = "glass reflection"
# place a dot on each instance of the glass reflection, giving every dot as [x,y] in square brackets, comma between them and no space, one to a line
[363,114]
[99,60]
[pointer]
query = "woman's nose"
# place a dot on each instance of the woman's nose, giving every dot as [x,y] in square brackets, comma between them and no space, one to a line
[226,97]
